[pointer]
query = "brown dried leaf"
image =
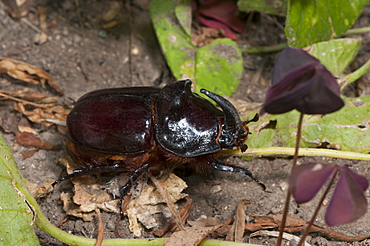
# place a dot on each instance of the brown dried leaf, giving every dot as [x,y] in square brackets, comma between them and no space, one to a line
[30,139]
[150,202]
[88,196]
[30,96]
[202,36]
[171,225]
[18,9]
[169,202]
[209,221]
[28,154]
[11,121]
[191,236]
[26,129]
[27,72]
[237,230]
[43,14]
[40,191]
[114,9]
[56,113]
[72,209]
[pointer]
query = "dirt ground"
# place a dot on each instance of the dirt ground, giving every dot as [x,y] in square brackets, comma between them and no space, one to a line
[82,56]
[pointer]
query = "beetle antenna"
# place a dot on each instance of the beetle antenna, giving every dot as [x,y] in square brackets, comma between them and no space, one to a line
[223,167]
[254,119]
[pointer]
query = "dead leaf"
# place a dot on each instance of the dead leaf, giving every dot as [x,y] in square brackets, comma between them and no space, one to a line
[28,73]
[28,154]
[72,209]
[40,191]
[26,129]
[11,121]
[150,202]
[191,236]
[202,36]
[16,8]
[237,230]
[30,139]
[171,225]
[30,96]
[113,11]
[46,116]
[205,222]
[169,202]
[43,15]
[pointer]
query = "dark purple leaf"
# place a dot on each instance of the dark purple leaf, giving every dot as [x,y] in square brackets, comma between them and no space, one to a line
[287,62]
[348,202]
[227,32]
[220,14]
[301,82]
[308,178]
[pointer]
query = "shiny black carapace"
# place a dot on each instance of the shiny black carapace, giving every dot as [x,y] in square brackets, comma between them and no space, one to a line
[140,129]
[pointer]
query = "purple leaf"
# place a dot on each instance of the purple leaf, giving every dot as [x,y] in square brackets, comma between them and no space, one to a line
[227,32]
[220,15]
[348,202]
[287,62]
[301,82]
[308,178]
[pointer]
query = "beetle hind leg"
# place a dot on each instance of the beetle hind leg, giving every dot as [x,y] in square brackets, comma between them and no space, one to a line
[218,165]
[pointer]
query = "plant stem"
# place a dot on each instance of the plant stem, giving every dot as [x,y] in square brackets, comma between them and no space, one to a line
[276,151]
[349,78]
[357,30]
[289,194]
[309,225]
[263,49]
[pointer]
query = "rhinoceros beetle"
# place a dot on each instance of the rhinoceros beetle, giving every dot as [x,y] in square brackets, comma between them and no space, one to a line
[140,129]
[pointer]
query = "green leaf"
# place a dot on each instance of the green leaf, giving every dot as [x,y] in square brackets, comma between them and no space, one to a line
[183,14]
[272,7]
[336,54]
[178,51]
[219,66]
[15,216]
[313,21]
[347,129]
[216,66]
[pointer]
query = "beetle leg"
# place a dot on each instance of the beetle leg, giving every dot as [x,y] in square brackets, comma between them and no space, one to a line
[92,170]
[127,187]
[223,167]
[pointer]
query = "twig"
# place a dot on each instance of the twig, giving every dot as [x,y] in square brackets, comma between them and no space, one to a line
[100,237]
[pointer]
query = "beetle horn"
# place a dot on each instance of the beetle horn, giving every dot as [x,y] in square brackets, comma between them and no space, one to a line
[233,126]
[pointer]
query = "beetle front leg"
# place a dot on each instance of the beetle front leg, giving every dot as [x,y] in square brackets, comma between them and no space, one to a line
[216,164]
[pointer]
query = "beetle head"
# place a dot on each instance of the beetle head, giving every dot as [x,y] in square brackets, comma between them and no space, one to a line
[234,131]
